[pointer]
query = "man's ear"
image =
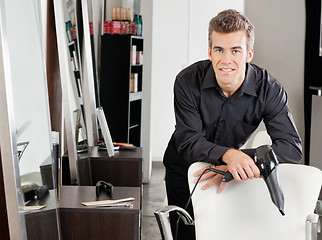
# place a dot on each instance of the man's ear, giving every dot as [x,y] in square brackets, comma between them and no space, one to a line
[250,55]
[209,53]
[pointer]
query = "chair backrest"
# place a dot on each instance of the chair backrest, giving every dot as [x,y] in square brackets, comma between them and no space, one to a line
[244,210]
[261,138]
[257,139]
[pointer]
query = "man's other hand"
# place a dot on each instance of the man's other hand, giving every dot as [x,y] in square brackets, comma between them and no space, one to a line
[240,165]
[214,177]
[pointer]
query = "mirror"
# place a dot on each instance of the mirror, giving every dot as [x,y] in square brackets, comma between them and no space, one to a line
[75,88]
[30,122]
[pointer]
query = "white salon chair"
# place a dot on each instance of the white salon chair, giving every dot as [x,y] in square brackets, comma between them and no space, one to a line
[244,210]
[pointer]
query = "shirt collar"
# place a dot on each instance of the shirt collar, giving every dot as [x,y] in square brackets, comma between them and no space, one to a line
[209,79]
[248,85]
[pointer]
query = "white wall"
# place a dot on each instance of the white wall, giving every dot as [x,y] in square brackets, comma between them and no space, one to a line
[200,13]
[180,37]
[279,47]
[169,56]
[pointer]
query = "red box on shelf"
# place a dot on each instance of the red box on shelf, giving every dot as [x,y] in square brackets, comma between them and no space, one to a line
[118,27]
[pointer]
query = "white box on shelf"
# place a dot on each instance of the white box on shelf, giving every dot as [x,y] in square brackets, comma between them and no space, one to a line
[133,55]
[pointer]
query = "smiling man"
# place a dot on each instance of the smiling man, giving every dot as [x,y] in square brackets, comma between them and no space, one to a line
[218,104]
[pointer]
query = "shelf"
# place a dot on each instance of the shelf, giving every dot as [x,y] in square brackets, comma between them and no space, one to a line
[136,37]
[134,126]
[122,107]
[136,65]
[135,96]
[316,91]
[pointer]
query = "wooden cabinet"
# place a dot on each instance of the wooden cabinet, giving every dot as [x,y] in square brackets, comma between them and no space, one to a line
[42,224]
[122,107]
[123,169]
[79,222]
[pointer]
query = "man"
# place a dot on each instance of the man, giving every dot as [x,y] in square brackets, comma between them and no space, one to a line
[218,105]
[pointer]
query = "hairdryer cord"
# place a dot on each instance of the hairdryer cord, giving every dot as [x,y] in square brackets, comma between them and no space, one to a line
[227,178]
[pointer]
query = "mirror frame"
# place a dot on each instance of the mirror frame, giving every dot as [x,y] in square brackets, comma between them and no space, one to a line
[88,78]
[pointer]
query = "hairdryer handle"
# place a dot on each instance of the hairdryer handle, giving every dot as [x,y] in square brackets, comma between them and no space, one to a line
[227,175]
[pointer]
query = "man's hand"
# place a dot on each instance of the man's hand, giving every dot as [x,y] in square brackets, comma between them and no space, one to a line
[240,165]
[215,177]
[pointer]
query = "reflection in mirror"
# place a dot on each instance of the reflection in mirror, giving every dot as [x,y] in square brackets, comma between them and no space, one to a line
[31,118]
[69,39]
[74,43]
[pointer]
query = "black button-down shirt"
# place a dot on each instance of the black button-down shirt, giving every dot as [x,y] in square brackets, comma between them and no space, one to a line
[208,123]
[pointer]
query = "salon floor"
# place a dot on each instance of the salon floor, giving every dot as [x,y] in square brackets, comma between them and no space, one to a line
[153,199]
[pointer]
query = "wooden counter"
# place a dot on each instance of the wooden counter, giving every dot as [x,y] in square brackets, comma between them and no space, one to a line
[98,223]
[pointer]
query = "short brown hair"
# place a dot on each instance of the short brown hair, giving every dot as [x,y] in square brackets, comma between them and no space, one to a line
[232,21]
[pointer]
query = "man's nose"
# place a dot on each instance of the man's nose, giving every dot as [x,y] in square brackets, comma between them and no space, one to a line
[226,57]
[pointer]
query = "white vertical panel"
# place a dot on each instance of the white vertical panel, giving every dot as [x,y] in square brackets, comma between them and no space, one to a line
[169,56]
[147,13]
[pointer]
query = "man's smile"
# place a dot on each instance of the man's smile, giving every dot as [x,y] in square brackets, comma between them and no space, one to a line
[227,70]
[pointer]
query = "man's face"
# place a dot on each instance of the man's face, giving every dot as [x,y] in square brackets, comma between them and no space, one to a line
[229,56]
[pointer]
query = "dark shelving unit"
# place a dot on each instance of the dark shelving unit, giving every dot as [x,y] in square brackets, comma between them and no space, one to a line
[122,108]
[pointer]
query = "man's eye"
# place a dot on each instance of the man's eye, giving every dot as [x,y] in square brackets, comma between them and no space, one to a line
[236,51]
[218,51]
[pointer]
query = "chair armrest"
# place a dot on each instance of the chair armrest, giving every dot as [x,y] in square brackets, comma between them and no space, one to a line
[312,227]
[162,218]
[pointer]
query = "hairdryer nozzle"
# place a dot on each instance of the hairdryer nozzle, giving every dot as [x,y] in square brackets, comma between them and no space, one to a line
[266,162]
[275,191]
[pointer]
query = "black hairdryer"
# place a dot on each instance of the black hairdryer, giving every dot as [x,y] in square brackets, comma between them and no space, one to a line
[267,162]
